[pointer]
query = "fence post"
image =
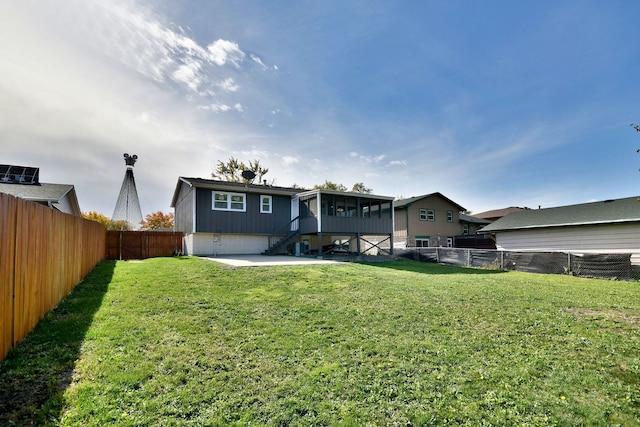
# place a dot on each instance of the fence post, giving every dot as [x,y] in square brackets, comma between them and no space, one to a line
[501,260]
[468,257]
[437,255]
[568,262]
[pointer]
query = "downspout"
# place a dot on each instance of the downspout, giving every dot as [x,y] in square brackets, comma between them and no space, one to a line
[406,213]
[195,193]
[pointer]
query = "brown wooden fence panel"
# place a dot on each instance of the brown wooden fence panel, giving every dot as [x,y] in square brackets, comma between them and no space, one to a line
[44,254]
[143,244]
[8,206]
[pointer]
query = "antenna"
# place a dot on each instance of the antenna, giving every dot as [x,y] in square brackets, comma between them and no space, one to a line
[128,206]
[248,175]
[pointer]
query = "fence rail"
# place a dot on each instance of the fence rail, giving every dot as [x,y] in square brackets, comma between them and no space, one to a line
[44,254]
[605,266]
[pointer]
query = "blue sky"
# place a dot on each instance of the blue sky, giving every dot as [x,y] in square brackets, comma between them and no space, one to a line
[493,104]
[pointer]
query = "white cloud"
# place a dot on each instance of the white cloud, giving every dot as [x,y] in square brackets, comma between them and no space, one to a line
[290,160]
[367,159]
[217,107]
[224,51]
[229,85]
[397,163]
[188,74]
[258,61]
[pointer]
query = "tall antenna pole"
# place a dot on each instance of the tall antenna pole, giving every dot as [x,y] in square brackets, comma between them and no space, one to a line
[128,206]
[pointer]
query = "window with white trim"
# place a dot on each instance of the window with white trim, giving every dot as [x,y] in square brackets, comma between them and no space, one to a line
[223,201]
[422,242]
[266,204]
[449,216]
[427,215]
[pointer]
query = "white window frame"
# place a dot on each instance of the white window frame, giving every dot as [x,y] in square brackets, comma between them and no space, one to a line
[427,215]
[427,240]
[262,204]
[449,216]
[465,229]
[228,201]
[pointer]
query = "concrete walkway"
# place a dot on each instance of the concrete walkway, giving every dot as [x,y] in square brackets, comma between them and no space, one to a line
[266,260]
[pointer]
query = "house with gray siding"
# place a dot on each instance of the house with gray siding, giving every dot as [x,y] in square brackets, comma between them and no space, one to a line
[219,217]
[610,226]
[24,182]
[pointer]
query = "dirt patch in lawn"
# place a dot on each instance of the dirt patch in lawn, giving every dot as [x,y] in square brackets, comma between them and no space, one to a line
[628,317]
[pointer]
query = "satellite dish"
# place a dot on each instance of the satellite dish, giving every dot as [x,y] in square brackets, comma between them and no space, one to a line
[248,175]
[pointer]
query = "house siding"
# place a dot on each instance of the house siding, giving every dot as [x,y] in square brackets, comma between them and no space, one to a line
[249,222]
[224,244]
[183,216]
[610,238]
[408,224]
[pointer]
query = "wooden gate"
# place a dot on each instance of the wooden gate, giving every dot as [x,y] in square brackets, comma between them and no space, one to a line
[143,244]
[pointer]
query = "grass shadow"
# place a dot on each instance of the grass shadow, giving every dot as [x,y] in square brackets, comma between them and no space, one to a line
[431,268]
[36,372]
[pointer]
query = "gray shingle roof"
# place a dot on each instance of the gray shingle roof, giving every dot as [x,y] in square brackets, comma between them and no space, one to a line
[473,219]
[37,192]
[604,212]
[408,202]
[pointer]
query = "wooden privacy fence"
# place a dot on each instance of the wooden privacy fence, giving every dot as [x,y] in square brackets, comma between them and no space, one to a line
[44,254]
[143,244]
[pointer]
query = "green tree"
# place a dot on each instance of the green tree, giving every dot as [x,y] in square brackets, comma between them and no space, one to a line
[98,217]
[328,185]
[120,225]
[157,221]
[231,171]
[637,128]
[359,187]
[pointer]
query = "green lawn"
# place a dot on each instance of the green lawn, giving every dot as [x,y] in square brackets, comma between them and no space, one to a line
[184,341]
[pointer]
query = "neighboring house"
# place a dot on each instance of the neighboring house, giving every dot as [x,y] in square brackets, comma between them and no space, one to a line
[610,226]
[470,237]
[24,182]
[428,220]
[219,217]
[496,214]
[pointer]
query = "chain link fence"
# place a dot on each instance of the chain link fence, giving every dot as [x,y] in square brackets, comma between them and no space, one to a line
[603,266]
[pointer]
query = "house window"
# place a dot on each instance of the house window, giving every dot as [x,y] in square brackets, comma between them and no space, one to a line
[465,229]
[422,241]
[266,203]
[427,215]
[229,201]
[449,216]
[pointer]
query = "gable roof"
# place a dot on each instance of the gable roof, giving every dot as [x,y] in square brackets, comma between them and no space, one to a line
[403,203]
[499,213]
[212,184]
[473,219]
[53,195]
[604,212]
